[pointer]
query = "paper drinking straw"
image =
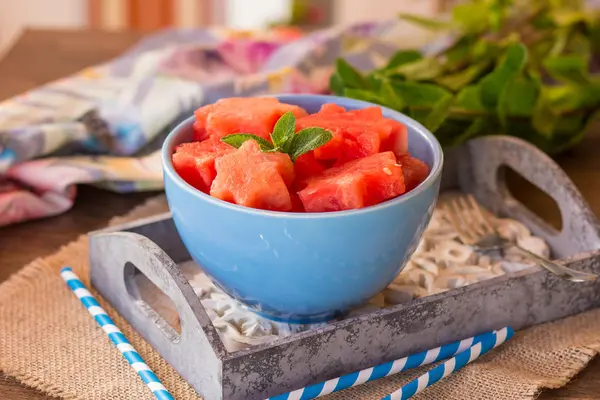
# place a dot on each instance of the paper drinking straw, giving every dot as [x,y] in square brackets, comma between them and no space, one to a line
[115,334]
[451,365]
[383,370]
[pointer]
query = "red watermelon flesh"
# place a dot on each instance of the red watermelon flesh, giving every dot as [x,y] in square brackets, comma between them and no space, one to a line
[356,133]
[283,164]
[356,184]
[256,115]
[307,165]
[331,108]
[297,205]
[199,131]
[415,171]
[369,113]
[397,141]
[250,178]
[195,161]
[394,137]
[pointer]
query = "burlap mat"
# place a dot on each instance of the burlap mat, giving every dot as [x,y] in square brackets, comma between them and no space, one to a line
[48,341]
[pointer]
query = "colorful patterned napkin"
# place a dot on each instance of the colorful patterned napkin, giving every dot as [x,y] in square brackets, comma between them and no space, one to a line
[104,125]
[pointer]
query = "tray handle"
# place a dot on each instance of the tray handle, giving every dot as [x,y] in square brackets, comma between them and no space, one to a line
[485,179]
[197,351]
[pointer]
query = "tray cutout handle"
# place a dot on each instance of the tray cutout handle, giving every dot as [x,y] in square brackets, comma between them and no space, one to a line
[489,155]
[516,185]
[529,214]
[146,299]
[199,352]
[117,252]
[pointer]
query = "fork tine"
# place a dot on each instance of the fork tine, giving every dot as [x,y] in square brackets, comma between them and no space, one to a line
[483,220]
[477,220]
[462,228]
[469,217]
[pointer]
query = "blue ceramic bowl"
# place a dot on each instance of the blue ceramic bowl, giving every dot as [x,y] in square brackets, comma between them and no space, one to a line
[303,267]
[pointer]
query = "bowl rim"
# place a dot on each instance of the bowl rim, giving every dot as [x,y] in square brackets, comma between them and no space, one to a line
[436,170]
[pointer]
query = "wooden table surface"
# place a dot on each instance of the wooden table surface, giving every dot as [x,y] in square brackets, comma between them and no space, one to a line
[40,56]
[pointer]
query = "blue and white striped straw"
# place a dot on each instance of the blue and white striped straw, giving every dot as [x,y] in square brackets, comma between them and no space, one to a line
[383,370]
[115,334]
[451,365]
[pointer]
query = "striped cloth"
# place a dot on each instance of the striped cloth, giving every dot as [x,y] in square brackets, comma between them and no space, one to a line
[115,334]
[119,111]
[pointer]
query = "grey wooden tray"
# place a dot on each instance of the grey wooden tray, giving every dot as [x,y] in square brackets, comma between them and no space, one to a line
[523,299]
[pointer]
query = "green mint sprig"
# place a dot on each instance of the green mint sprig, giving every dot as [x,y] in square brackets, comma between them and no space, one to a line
[523,68]
[284,138]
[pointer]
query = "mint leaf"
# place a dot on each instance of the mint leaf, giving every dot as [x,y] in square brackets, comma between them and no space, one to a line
[390,97]
[284,129]
[561,40]
[308,139]
[469,100]
[403,57]
[459,51]
[336,84]
[484,50]
[497,14]
[417,94]
[458,80]
[375,81]
[421,70]
[543,117]
[285,138]
[237,139]
[569,98]
[471,17]
[519,97]
[568,68]
[495,83]
[350,76]
[439,113]
[364,95]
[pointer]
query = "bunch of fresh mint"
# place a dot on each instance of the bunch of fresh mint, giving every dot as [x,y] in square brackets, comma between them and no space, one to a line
[284,138]
[522,68]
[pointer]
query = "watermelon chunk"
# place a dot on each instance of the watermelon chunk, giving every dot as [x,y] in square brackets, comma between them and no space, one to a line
[256,115]
[394,137]
[251,178]
[283,165]
[195,161]
[397,141]
[331,108]
[369,113]
[356,133]
[297,205]
[307,165]
[356,184]
[415,171]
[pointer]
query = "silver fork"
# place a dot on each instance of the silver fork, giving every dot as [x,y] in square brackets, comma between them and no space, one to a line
[476,231]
